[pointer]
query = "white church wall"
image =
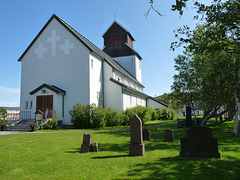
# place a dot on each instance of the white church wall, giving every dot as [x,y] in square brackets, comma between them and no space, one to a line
[95,66]
[138,69]
[128,62]
[132,64]
[112,91]
[63,63]
[154,104]
[131,100]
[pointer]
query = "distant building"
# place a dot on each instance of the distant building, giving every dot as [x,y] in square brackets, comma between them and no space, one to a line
[61,68]
[13,113]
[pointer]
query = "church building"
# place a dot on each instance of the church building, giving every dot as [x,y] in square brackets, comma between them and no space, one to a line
[61,68]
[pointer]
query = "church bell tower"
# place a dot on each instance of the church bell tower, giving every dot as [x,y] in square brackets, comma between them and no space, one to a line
[118,43]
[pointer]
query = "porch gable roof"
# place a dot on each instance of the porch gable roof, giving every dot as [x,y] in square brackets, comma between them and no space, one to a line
[51,87]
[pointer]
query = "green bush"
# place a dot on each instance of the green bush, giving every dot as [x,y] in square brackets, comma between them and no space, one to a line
[158,114]
[165,114]
[90,116]
[78,116]
[113,118]
[97,116]
[51,122]
[144,113]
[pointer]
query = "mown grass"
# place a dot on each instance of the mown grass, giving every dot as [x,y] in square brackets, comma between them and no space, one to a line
[55,155]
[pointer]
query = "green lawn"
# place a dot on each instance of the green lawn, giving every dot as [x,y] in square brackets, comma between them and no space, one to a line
[54,154]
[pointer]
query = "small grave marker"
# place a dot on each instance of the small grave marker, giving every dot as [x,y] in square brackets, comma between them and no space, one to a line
[146,135]
[87,141]
[168,135]
[136,148]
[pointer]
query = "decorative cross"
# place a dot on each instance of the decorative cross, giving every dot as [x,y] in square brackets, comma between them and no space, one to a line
[40,50]
[66,46]
[53,40]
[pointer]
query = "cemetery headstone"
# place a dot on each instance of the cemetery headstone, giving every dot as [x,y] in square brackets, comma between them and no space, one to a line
[188,116]
[238,125]
[146,135]
[168,135]
[87,141]
[94,147]
[136,148]
[199,143]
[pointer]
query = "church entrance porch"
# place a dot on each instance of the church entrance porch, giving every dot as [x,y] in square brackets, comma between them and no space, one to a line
[45,104]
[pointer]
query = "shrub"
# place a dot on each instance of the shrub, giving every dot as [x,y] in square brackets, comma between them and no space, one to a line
[165,114]
[90,116]
[78,116]
[97,116]
[51,122]
[113,118]
[124,118]
[172,113]
[158,114]
[154,115]
[144,113]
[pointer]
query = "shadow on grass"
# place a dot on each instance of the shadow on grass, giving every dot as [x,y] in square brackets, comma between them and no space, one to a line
[74,150]
[188,168]
[109,157]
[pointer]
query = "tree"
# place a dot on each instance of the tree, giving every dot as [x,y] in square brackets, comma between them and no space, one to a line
[168,98]
[3,113]
[211,58]
[178,6]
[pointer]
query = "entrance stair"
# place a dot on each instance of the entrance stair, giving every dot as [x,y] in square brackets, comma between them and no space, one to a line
[24,125]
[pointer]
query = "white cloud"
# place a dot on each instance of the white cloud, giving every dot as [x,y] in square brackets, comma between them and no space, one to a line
[9,96]
[9,91]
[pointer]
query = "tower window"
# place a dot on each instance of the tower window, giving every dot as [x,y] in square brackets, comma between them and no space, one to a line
[115,39]
[119,39]
[111,40]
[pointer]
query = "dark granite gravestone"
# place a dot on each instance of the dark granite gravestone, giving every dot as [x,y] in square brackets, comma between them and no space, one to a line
[199,143]
[94,147]
[136,148]
[168,135]
[86,145]
[188,116]
[146,135]
[239,126]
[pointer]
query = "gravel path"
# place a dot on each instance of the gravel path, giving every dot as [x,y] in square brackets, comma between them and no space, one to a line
[18,132]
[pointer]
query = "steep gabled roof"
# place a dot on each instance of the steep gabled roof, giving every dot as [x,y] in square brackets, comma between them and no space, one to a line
[51,87]
[93,48]
[115,23]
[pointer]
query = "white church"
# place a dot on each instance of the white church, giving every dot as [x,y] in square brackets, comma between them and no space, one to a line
[61,68]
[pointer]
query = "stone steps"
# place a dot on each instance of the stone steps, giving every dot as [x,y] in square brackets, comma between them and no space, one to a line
[24,125]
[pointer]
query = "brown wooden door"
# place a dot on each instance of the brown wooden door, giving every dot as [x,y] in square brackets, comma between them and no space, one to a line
[44,103]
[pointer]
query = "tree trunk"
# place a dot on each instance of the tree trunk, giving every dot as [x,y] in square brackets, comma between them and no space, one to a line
[235,125]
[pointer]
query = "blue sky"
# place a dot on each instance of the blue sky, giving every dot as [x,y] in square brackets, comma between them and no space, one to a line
[21,21]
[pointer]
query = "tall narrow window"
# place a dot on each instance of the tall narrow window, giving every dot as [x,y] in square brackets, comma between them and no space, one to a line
[31,104]
[26,104]
[92,63]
